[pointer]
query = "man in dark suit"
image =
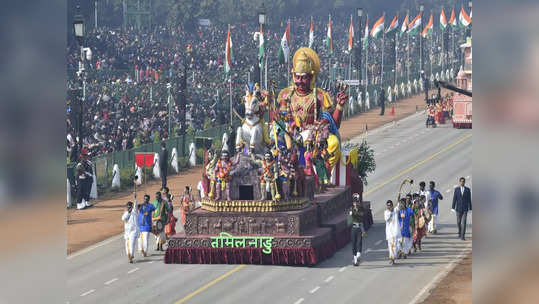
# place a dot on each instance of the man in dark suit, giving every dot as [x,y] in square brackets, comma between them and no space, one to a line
[163,164]
[462,203]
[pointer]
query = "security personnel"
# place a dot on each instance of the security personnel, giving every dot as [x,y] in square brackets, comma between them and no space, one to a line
[84,180]
[358,231]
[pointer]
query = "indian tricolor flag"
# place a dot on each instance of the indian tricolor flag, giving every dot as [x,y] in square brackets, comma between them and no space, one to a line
[351,36]
[415,25]
[284,50]
[443,20]
[366,36]
[428,29]
[464,19]
[329,38]
[261,48]
[394,25]
[311,34]
[452,19]
[404,26]
[378,28]
[228,53]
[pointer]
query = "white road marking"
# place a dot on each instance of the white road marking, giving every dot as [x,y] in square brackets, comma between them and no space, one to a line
[368,250]
[103,243]
[113,280]
[150,262]
[441,275]
[132,270]
[299,301]
[342,269]
[378,243]
[329,279]
[87,293]
[315,289]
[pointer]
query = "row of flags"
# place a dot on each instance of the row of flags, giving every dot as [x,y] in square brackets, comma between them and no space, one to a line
[412,28]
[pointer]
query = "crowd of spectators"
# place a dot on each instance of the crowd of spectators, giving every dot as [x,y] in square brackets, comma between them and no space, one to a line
[126,94]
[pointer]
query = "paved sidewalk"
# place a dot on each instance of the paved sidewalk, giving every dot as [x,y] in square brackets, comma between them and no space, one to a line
[87,227]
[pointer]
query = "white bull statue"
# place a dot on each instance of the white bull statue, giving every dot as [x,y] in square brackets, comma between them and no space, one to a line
[251,131]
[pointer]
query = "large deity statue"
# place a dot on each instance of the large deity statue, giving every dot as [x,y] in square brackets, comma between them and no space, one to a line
[312,107]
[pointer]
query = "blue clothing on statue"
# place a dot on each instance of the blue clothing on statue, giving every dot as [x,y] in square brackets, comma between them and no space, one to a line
[434,195]
[332,124]
[301,160]
[145,217]
[404,222]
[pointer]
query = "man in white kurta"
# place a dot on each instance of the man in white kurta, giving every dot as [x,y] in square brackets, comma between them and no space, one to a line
[392,230]
[131,229]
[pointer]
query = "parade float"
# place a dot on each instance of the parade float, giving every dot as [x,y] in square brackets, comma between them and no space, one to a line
[281,196]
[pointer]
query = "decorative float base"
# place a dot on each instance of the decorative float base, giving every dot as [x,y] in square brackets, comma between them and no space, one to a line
[302,237]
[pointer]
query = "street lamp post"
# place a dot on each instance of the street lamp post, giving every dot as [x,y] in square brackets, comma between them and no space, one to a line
[421,9]
[169,86]
[261,21]
[79,30]
[469,30]
[358,61]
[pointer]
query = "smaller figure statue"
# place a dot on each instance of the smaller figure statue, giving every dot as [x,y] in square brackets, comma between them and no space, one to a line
[210,173]
[268,176]
[284,173]
[309,169]
[319,160]
[222,176]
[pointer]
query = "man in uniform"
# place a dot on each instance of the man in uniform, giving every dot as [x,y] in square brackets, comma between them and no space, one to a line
[84,180]
[358,230]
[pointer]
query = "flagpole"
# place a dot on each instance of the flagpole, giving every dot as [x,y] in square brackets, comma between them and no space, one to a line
[259,67]
[288,60]
[350,60]
[366,63]
[443,38]
[329,50]
[383,47]
[430,42]
[230,94]
[408,63]
[453,48]
[396,55]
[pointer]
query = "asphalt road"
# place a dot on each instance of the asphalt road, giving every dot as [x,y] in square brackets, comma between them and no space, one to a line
[102,274]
